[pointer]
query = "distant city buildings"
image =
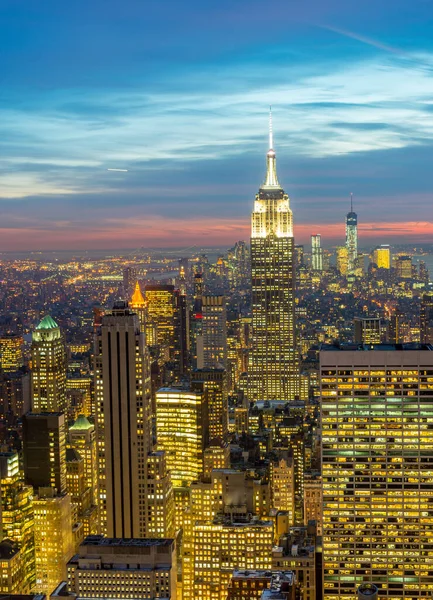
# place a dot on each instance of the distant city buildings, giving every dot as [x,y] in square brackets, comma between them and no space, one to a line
[316,253]
[244,423]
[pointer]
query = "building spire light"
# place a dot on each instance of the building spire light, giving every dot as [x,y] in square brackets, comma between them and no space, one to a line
[271,180]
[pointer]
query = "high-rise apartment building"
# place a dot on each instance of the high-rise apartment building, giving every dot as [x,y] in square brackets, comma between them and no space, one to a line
[123,568]
[274,365]
[48,368]
[316,253]
[351,238]
[368,330]
[382,257]
[426,318]
[213,383]
[182,431]
[377,446]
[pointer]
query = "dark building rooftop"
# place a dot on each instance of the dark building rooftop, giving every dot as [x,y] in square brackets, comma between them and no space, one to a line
[412,346]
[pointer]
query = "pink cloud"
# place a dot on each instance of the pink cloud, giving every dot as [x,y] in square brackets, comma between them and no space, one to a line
[159,232]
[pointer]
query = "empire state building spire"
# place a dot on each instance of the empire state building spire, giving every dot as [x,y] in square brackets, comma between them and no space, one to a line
[271,180]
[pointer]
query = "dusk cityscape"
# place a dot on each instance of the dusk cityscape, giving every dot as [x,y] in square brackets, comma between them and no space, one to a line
[216,300]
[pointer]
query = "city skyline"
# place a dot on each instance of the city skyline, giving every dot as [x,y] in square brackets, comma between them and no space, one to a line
[184,111]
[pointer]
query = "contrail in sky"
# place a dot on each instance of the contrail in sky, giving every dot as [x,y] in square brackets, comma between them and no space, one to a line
[366,40]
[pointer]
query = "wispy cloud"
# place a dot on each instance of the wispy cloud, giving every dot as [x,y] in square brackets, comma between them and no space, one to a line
[357,107]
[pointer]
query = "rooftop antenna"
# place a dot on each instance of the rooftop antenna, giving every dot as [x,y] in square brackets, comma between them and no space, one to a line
[351,202]
[271,134]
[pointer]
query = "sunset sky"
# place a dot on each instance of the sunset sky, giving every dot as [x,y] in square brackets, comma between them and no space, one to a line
[178,92]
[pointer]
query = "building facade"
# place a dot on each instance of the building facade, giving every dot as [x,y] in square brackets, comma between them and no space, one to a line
[123,425]
[274,366]
[377,448]
[48,368]
[124,568]
[182,432]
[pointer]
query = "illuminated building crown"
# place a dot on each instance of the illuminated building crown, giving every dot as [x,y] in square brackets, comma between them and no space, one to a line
[137,300]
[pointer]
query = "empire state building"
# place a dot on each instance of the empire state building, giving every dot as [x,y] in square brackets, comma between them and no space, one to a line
[273,372]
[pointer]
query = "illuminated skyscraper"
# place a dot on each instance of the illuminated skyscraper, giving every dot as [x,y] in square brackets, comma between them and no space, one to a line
[382,257]
[342,257]
[80,392]
[316,253]
[123,421]
[274,367]
[48,368]
[377,447]
[82,438]
[182,430]
[212,351]
[138,305]
[17,519]
[53,538]
[181,334]
[213,383]
[160,328]
[352,237]
[127,507]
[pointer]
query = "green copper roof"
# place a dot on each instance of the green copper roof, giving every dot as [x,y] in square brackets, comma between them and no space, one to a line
[47,323]
[81,424]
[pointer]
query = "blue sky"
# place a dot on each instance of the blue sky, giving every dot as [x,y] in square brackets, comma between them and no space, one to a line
[178,94]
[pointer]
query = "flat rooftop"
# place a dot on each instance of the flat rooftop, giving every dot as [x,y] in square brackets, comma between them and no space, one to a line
[100,540]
